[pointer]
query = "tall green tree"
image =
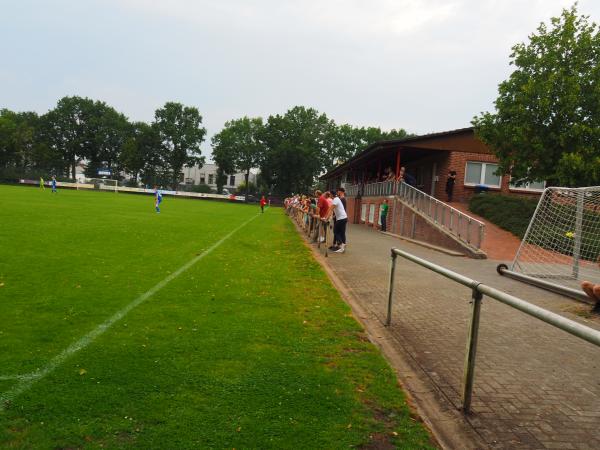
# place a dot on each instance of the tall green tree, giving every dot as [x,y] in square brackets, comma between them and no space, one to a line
[141,150]
[237,147]
[547,120]
[181,133]
[342,142]
[107,132]
[67,130]
[294,146]
[18,139]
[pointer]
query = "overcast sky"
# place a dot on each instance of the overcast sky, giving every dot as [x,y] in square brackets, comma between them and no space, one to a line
[425,66]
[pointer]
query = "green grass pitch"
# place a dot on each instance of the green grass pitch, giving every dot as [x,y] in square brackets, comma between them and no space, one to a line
[250,347]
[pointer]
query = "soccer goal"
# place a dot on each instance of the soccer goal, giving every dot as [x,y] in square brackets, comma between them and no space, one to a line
[104,184]
[561,247]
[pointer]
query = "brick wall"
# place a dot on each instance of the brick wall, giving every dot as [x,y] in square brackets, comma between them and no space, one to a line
[402,223]
[458,161]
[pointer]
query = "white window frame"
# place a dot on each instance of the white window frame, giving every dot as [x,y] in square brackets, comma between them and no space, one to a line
[371,212]
[482,176]
[363,212]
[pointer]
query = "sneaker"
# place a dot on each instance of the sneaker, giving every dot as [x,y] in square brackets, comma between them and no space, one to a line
[322,239]
[333,248]
[340,250]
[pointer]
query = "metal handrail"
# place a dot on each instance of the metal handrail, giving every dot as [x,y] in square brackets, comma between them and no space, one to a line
[464,227]
[478,290]
[314,226]
[456,222]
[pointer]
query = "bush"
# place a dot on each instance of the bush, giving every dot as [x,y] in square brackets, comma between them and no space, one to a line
[510,213]
[202,189]
[241,189]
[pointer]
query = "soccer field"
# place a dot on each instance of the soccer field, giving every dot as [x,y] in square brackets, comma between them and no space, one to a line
[206,326]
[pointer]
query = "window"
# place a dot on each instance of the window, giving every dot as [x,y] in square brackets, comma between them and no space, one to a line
[231,180]
[363,213]
[211,178]
[202,179]
[371,212]
[181,177]
[482,173]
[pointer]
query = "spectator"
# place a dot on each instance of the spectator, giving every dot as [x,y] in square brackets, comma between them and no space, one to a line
[384,211]
[450,184]
[407,177]
[592,290]
[339,228]
[323,206]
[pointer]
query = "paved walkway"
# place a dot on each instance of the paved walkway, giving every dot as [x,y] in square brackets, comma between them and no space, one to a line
[497,243]
[535,386]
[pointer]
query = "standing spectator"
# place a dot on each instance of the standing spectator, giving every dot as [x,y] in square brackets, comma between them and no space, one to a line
[339,229]
[407,177]
[323,206]
[342,196]
[384,211]
[450,184]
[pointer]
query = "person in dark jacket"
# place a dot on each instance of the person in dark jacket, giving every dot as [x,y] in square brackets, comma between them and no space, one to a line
[450,184]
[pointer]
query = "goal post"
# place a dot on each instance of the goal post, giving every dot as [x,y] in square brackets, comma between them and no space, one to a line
[561,247]
[104,184]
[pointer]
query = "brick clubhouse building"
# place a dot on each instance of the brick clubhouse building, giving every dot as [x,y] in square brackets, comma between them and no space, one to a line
[427,159]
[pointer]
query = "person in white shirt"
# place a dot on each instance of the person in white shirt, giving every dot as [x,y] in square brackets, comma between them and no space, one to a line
[341,219]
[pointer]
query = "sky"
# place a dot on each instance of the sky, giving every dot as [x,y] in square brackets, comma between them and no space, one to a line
[425,66]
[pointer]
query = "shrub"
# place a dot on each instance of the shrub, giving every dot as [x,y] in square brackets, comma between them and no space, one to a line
[510,213]
[202,189]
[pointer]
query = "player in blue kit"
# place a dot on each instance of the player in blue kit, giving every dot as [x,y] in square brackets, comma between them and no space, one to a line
[157,199]
[53,183]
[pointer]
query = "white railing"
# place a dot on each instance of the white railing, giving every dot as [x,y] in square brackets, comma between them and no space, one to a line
[466,228]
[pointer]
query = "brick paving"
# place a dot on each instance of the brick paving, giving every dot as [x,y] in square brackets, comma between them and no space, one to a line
[535,386]
[498,244]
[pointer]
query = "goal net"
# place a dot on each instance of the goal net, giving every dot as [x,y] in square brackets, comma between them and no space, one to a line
[104,184]
[562,242]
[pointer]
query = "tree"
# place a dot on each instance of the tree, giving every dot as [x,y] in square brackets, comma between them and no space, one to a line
[237,147]
[67,130]
[108,130]
[547,120]
[181,134]
[18,139]
[294,145]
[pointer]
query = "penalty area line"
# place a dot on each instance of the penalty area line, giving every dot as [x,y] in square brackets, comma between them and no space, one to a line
[26,381]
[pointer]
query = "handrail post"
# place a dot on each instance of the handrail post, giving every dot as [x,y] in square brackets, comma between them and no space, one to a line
[388,319]
[469,368]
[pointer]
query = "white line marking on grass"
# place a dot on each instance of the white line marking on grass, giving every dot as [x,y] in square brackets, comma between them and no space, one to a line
[12,377]
[26,381]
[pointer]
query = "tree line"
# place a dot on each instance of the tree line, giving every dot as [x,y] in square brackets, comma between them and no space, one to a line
[290,150]
[81,129]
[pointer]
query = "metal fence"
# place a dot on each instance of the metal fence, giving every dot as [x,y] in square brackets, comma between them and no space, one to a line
[478,290]
[318,230]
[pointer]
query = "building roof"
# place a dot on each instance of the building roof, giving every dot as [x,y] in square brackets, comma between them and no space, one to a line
[412,141]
